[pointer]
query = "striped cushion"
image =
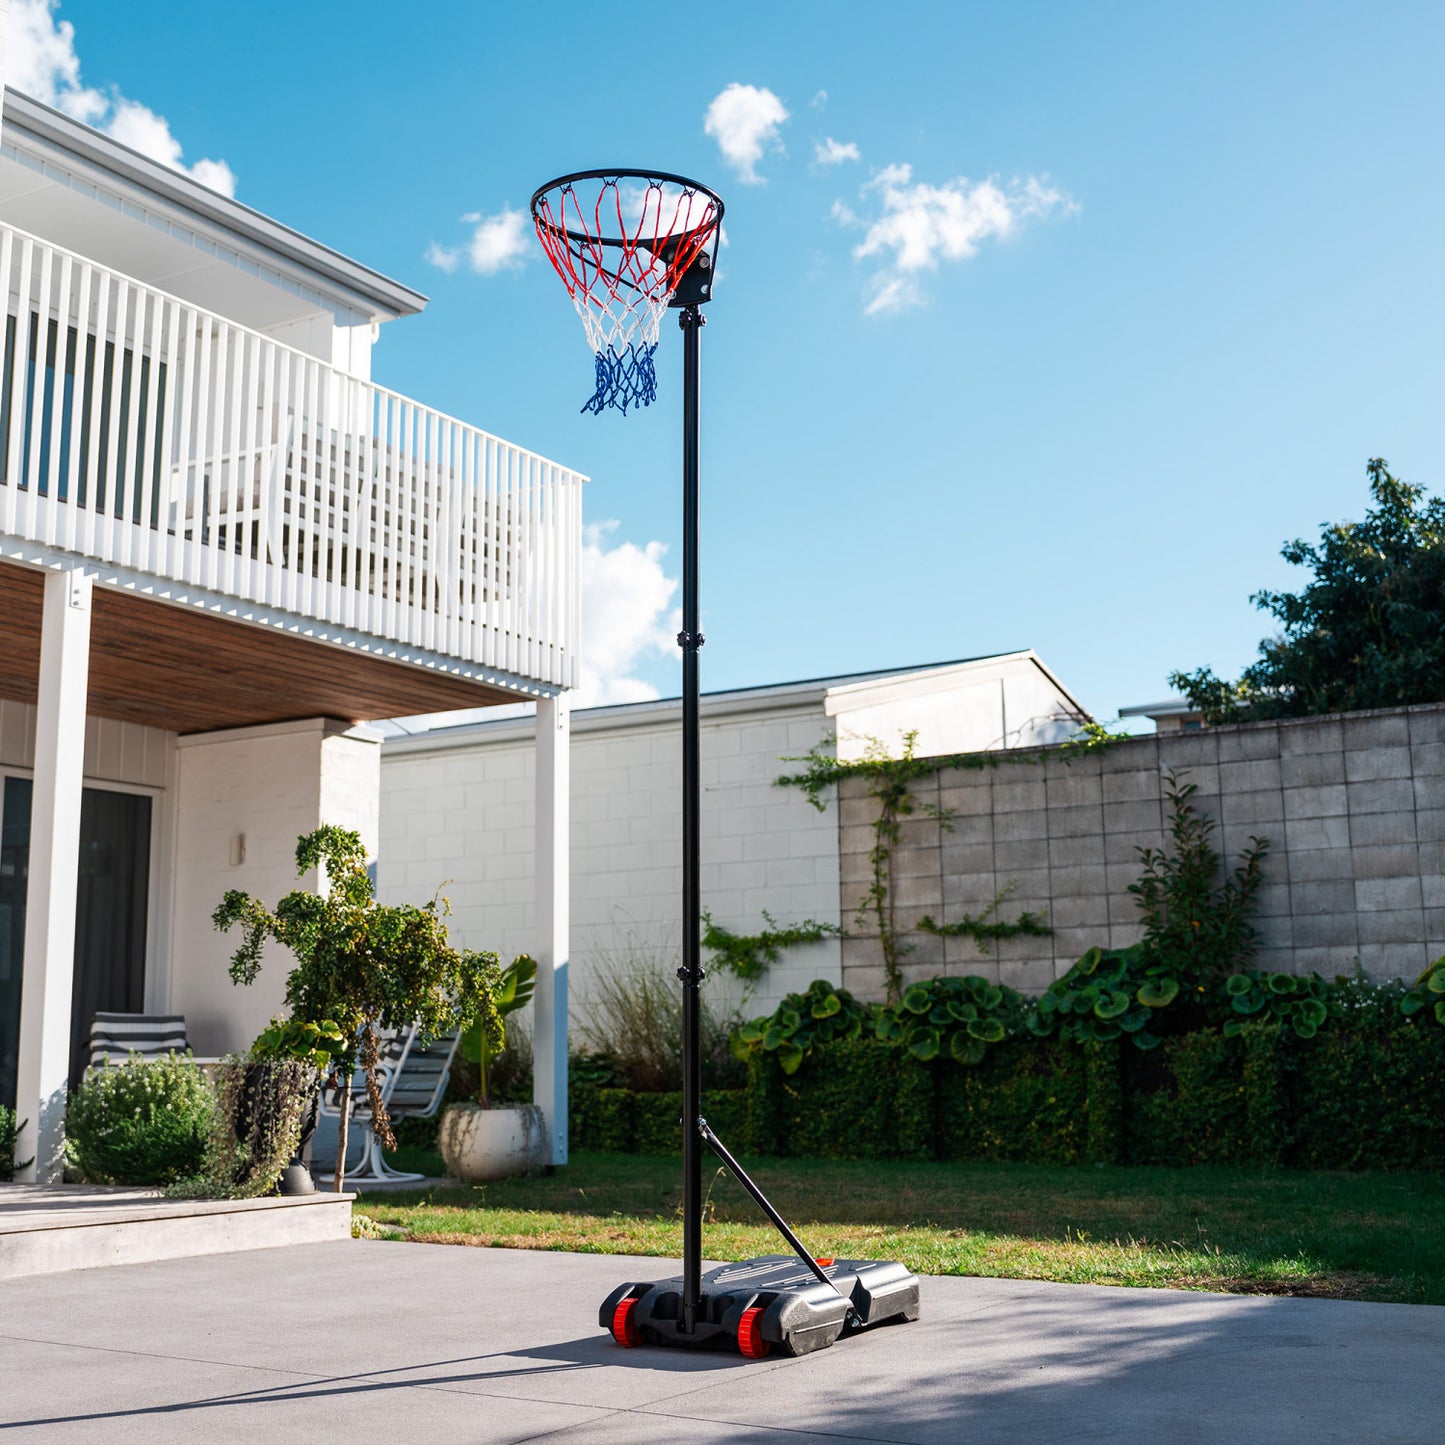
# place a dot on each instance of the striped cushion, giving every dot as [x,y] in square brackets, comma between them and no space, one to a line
[115,1037]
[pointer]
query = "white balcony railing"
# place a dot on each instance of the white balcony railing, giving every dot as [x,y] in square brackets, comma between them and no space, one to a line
[143,432]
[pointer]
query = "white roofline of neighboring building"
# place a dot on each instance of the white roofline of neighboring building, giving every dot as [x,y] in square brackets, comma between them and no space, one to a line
[730,702]
[384,297]
[1170,707]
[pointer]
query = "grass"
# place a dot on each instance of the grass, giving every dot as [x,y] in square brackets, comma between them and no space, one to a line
[1250,1231]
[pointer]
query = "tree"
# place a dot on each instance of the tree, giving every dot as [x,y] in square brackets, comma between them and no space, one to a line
[1367,631]
[364,966]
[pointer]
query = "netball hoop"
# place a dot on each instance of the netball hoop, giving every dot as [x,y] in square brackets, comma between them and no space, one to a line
[627,245]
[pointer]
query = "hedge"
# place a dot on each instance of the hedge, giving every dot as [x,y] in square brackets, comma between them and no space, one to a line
[1339,1101]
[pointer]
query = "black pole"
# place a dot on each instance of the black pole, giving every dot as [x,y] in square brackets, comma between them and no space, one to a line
[691,319]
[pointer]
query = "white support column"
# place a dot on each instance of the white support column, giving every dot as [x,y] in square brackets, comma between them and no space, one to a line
[553,925]
[44,1064]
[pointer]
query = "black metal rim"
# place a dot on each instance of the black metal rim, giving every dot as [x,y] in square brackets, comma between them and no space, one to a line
[615,175]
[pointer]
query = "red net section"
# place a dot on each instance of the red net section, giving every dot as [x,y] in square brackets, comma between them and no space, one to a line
[620,245]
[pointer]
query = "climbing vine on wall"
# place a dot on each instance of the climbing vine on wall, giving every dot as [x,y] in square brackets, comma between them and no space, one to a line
[888,780]
[750,955]
[985,927]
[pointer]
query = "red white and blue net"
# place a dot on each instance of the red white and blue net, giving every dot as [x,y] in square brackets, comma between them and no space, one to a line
[620,242]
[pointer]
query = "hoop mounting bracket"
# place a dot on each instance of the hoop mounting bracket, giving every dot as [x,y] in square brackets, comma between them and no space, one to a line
[690,641]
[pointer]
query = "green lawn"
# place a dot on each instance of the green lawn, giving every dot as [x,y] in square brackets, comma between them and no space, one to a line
[1347,1236]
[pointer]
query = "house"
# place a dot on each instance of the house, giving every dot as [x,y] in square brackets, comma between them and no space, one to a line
[457,808]
[223,550]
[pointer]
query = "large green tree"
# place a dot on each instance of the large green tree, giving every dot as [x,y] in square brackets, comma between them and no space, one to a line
[1368,629]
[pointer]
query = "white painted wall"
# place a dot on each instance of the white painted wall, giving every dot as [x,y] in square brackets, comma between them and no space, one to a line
[1010,701]
[457,811]
[268,785]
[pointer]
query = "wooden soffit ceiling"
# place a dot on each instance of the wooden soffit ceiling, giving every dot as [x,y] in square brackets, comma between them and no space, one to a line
[186,670]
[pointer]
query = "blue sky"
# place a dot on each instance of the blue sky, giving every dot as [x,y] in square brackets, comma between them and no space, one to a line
[1219,292]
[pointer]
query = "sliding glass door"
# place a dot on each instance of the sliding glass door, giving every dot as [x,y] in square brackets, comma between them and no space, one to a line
[110,915]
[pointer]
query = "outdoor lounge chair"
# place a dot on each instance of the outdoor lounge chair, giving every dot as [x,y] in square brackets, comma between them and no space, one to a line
[115,1037]
[414,1080]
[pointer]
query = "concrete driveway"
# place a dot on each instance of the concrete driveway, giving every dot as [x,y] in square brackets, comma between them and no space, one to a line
[409,1342]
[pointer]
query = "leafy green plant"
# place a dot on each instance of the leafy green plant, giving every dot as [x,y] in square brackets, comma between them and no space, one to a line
[1108,994]
[1428,992]
[750,955]
[261,1108]
[362,966]
[819,1015]
[142,1122]
[1303,1001]
[299,1040]
[1196,922]
[954,1018]
[515,987]
[10,1128]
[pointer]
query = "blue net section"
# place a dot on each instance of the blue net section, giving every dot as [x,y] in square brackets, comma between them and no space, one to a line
[624,378]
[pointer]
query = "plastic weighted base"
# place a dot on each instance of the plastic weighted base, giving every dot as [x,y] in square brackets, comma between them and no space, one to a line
[761,1305]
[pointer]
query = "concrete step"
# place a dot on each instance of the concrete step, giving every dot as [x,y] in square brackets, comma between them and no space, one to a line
[46,1228]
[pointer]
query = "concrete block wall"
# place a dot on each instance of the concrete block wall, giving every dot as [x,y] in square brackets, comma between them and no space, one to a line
[458,814]
[1353,808]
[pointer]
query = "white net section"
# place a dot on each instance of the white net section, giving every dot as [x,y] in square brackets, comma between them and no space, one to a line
[620,243]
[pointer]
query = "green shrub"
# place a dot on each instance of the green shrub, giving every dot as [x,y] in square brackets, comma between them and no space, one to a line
[10,1128]
[1428,993]
[952,1018]
[1109,993]
[1027,1101]
[819,1015]
[1304,1001]
[140,1123]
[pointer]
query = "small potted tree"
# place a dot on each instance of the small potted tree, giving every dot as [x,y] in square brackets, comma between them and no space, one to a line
[480,1141]
[363,967]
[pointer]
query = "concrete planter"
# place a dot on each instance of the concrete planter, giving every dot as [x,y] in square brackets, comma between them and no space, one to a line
[480,1144]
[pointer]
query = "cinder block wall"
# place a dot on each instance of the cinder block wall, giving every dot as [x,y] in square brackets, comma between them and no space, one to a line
[1353,807]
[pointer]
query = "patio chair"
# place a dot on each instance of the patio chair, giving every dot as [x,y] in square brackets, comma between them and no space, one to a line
[114,1037]
[414,1080]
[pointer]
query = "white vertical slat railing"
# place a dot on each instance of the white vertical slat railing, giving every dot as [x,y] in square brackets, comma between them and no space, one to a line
[141,431]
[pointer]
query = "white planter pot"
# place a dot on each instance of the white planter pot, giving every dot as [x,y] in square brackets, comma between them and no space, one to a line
[480,1144]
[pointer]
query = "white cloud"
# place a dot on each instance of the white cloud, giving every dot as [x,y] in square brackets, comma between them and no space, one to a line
[41,60]
[819,100]
[497,243]
[627,616]
[744,120]
[917,226]
[830,152]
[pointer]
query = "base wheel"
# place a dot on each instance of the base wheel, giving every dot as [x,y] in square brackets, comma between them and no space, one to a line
[750,1339]
[624,1326]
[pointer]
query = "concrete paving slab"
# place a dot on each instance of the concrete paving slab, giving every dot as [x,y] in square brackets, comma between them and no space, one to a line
[482,1345]
[45,1228]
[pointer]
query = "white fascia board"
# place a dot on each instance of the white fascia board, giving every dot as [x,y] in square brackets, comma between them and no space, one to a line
[67,150]
[631,717]
[928,681]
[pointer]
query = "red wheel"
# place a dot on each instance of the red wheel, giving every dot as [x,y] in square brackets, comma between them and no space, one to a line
[750,1338]
[624,1327]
